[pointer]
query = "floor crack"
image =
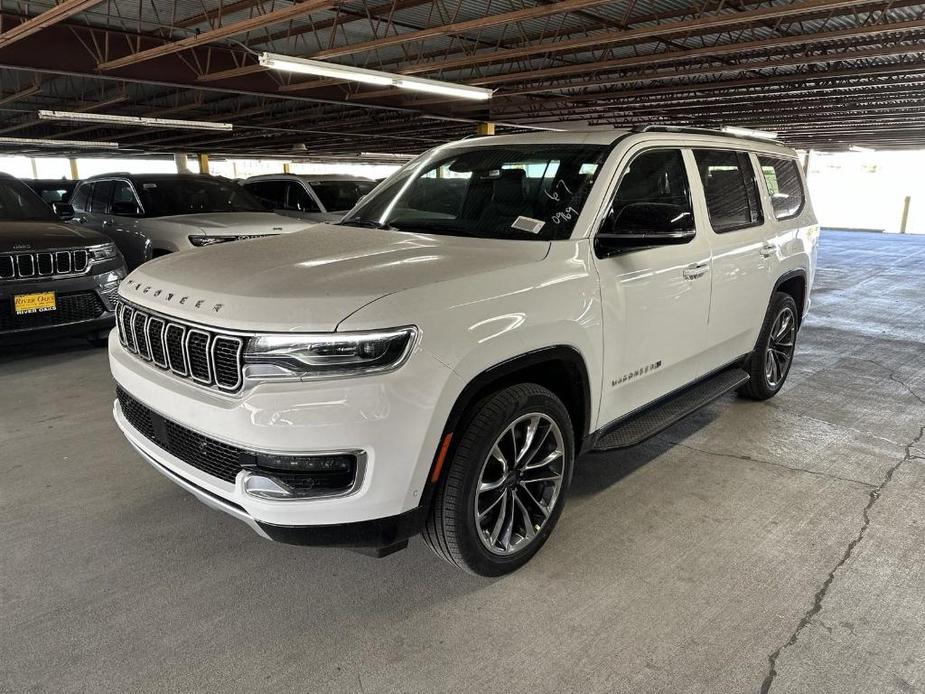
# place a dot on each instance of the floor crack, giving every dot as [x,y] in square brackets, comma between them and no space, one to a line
[750,459]
[893,377]
[821,593]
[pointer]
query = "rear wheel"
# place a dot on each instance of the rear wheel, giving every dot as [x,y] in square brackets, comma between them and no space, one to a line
[506,483]
[769,364]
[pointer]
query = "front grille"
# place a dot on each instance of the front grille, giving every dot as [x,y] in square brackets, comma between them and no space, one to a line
[206,357]
[72,307]
[224,461]
[43,264]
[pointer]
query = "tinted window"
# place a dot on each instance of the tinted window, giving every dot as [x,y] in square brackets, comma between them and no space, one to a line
[730,189]
[528,191]
[340,196]
[168,196]
[300,199]
[102,194]
[654,179]
[53,191]
[271,193]
[123,192]
[81,199]
[782,177]
[18,202]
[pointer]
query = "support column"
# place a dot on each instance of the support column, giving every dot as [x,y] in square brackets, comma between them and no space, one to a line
[904,221]
[35,168]
[182,162]
[484,128]
[203,160]
[73,163]
[286,167]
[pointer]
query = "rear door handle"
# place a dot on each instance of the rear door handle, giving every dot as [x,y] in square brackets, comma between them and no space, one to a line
[695,271]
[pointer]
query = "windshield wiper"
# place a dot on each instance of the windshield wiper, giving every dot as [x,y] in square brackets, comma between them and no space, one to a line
[365,223]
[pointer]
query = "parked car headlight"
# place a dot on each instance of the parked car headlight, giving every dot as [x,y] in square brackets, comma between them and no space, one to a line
[328,355]
[212,240]
[105,251]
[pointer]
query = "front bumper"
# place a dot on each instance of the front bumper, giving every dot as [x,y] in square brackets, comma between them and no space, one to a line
[396,419]
[51,329]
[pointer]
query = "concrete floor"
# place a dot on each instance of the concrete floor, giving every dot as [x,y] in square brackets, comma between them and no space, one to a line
[752,547]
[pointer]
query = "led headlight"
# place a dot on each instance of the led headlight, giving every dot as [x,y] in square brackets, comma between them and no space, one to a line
[105,251]
[212,240]
[328,355]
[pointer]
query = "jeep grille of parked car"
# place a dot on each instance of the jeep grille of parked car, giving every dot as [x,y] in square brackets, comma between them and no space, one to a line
[204,356]
[43,264]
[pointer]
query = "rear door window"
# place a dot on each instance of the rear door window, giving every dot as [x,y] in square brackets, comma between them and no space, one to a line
[730,189]
[102,194]
[785,188]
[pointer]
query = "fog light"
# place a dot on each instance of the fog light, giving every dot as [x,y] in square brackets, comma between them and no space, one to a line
[319,463]
[303,476]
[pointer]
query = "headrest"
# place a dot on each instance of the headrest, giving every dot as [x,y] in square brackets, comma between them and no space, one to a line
[509,189]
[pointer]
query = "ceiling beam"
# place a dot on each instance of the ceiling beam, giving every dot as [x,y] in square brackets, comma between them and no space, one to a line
[235,29]
[711,22]
[58,13]
[459,27]
[21,94]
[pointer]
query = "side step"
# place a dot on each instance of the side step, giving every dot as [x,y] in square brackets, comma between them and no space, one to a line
[643,424]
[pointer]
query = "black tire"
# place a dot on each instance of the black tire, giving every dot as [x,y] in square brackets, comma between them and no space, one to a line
[451,530]
[761,385]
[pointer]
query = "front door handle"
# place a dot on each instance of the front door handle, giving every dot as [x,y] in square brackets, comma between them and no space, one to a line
[695,271]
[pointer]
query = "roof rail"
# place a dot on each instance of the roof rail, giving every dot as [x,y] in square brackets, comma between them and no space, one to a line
[724,131]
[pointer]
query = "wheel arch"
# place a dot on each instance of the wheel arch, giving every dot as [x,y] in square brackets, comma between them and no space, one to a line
[560,368]
[794,283]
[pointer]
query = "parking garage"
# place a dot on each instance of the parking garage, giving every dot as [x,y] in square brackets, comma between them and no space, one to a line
[746,544]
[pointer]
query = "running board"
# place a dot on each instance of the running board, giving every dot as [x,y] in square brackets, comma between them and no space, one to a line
[646,423]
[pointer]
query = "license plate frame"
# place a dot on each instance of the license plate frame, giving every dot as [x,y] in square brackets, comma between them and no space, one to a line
[36,302]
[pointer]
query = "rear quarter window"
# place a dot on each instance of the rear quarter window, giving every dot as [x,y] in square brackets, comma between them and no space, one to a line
[784,185]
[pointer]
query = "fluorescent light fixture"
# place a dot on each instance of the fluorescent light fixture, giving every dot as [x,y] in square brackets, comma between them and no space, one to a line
[315,67]
[62,144]
[143,121]
[463,91]
[748,132]
[304,66]
[858,148]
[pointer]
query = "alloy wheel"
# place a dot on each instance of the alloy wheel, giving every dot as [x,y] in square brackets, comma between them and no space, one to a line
[519,484]
[780,347]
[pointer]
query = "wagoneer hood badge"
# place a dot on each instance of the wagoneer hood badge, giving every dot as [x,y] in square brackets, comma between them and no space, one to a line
[170,296]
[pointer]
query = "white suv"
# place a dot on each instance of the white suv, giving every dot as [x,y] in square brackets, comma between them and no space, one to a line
[436,362]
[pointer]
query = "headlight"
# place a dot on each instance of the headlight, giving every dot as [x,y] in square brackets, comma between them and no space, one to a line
[212,240]
[105,251]
[328,355]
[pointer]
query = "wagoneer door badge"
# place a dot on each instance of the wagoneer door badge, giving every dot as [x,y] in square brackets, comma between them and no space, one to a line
[173,297]
[648,368]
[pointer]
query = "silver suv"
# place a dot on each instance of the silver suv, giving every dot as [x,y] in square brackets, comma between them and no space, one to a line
[311,198]
[148,215]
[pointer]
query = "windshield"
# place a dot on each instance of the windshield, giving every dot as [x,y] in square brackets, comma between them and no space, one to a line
[166,197]
[19,203]
[340,196]
[53,191]
[506,192]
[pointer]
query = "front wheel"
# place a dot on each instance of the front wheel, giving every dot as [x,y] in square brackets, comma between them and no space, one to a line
[506,483]
[769,364]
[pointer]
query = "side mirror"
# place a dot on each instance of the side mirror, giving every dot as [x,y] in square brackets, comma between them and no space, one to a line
[645,224]
[125,209]
[62,210]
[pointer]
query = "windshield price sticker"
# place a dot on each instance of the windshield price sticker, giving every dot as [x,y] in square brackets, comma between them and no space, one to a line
[528,224]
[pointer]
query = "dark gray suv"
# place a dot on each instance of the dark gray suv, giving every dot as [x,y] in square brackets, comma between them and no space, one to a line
[55,279]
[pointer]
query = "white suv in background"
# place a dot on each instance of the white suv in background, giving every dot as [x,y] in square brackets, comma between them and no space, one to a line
[436,362]
[312,198]
[149,215]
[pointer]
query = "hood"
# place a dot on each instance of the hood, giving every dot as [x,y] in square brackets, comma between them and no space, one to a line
[313,279]
[43,235]
[243,223]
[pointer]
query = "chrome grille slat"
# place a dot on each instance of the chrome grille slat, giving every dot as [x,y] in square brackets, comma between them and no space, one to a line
[44,264]
[207,357]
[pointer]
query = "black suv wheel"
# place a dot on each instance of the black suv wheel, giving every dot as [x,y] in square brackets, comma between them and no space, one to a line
[506,482]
